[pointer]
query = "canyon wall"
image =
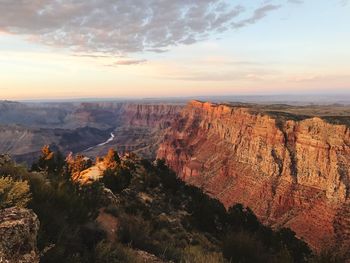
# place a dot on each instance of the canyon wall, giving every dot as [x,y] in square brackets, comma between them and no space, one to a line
[290,173]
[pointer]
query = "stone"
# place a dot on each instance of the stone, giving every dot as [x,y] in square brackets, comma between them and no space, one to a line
[18,235]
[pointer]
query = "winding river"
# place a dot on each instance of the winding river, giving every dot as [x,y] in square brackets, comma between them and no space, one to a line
[111,138]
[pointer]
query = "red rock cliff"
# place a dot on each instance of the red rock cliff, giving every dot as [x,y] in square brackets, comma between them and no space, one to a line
[292,173]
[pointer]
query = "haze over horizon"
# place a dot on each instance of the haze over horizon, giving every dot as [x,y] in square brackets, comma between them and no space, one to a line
[54,49]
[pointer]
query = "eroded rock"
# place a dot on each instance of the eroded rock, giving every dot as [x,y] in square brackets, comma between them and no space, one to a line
[18,235]
[290,173]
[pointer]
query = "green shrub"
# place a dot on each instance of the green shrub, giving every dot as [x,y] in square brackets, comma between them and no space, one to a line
[135,231]
[13,193]
[297,248]
[112,210]
[17,172]
[116,179]
[195,254]
[114,253]
[49,161]
[239,217]
[244,247]
[328,256]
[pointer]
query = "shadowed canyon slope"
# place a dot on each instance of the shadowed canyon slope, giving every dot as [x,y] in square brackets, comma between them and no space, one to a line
[293,172]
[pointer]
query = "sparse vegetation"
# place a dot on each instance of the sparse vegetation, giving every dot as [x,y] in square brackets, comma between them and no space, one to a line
[114,253]
[13,193]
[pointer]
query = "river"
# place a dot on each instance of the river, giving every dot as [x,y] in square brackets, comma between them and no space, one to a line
[111,138]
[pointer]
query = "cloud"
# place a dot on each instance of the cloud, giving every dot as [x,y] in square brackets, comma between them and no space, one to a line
[119,27]
[94,56]
[258,14]
[127,62]
[344,2]
[296,1]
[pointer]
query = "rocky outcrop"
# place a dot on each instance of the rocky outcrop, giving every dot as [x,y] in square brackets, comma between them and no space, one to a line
[18,233]
[291,173]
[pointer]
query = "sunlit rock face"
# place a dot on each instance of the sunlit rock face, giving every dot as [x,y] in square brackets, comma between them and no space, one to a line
[18,234]
[291,173]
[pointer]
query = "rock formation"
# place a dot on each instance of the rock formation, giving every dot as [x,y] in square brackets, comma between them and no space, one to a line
[290,173]
[18,233]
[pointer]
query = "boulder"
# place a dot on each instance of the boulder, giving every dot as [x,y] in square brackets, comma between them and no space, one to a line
[18,235]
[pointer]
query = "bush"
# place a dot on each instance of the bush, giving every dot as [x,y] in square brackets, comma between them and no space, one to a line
[49,161]
[297,248]
[17,172]
[244,247]
[112,210]
[239,217]
[116,179]
[135,231]
[194,254]
[114,253]
[328,256]
[13,193]
[168,177]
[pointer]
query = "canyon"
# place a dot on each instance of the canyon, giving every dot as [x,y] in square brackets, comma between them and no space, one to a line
[289,164]
[291,170]
[139,128]
[83,127]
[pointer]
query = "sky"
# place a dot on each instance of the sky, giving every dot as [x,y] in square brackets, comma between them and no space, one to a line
[57,49]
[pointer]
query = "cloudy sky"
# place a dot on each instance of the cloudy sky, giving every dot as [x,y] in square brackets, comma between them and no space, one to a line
[154,48]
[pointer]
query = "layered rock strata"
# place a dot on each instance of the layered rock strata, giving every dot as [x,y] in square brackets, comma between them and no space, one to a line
[290,173]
